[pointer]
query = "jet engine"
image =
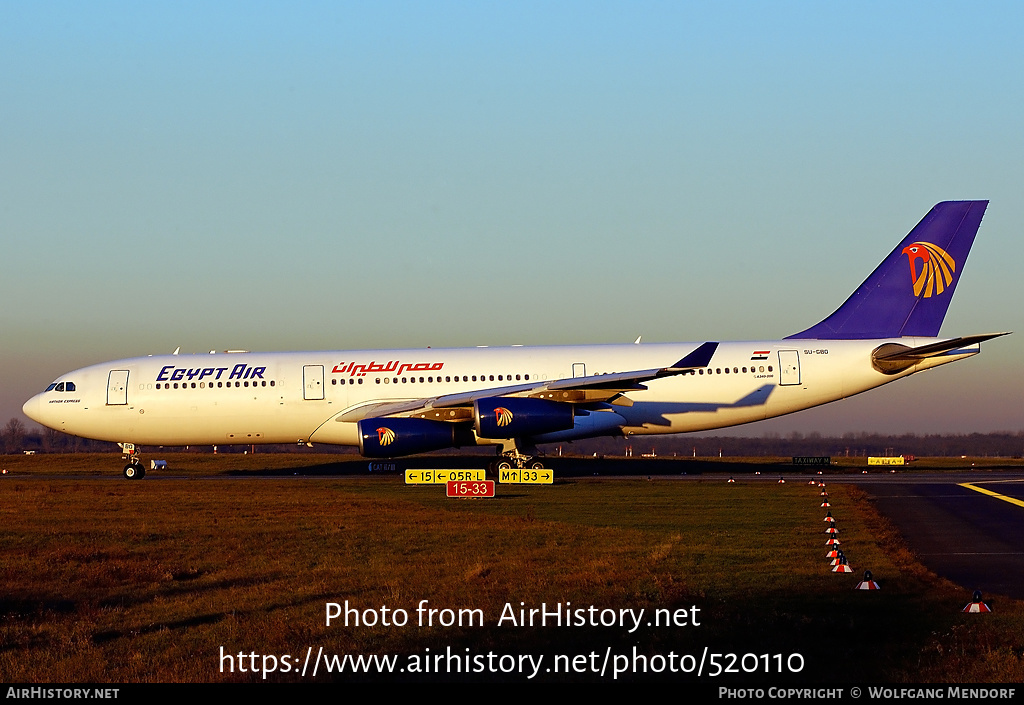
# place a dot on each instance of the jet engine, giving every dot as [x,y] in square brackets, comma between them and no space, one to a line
[393,437]
[514,417]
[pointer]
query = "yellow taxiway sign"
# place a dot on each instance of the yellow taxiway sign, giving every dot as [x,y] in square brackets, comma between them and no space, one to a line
[443,477]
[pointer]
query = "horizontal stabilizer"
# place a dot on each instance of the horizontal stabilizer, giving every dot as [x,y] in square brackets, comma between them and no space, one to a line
[893,358]
[924,351]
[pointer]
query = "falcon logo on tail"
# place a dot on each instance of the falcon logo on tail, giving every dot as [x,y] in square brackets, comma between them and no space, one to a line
[937,268]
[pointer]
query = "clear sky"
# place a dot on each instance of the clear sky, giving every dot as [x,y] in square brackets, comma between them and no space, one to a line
[283,176]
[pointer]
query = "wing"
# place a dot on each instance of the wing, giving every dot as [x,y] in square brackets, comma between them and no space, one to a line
[592,389]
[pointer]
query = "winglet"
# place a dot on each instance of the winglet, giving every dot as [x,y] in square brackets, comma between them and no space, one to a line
[698,358]
[909,292]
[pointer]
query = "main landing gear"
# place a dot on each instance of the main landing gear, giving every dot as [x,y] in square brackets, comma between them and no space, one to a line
[514,459]
[134,470]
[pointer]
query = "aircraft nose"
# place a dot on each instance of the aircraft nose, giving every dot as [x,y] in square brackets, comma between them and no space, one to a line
[31,409]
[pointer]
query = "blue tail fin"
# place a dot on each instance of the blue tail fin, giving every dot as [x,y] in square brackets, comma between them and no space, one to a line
[909,292]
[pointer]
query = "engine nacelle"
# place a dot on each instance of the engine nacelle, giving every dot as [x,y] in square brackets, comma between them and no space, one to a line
[514,417]
[392,437]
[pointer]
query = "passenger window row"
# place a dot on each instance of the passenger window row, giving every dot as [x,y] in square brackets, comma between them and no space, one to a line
[726,370]
[456,378]
[210,385]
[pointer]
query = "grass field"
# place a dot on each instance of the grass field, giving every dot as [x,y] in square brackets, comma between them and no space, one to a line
[113,581]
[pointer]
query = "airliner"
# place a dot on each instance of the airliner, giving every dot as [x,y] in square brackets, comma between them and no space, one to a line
[392,403]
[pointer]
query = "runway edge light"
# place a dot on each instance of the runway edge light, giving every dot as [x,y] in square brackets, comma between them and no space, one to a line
[843,566]
[867,583]
[976,606]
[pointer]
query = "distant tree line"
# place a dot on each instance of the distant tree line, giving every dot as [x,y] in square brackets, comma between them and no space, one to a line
[1005,444]
[16,438]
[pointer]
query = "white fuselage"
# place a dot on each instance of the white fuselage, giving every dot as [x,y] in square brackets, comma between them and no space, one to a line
[249,398]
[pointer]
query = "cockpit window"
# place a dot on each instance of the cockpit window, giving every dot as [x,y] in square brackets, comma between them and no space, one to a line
[61,387]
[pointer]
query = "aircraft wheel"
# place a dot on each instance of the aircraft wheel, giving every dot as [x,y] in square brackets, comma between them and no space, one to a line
[536,465]
[132,472]
[504,465]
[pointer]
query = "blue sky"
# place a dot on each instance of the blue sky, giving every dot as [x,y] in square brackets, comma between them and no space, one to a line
[278,176]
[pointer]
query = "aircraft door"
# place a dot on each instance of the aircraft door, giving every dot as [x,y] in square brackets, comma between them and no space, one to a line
[312,382]
[789,367]
[117,388]
[579,369]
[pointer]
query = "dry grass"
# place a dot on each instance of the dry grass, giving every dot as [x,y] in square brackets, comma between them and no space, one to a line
[111,581]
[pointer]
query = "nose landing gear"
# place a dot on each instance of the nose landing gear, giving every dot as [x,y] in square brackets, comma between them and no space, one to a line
[134,470]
